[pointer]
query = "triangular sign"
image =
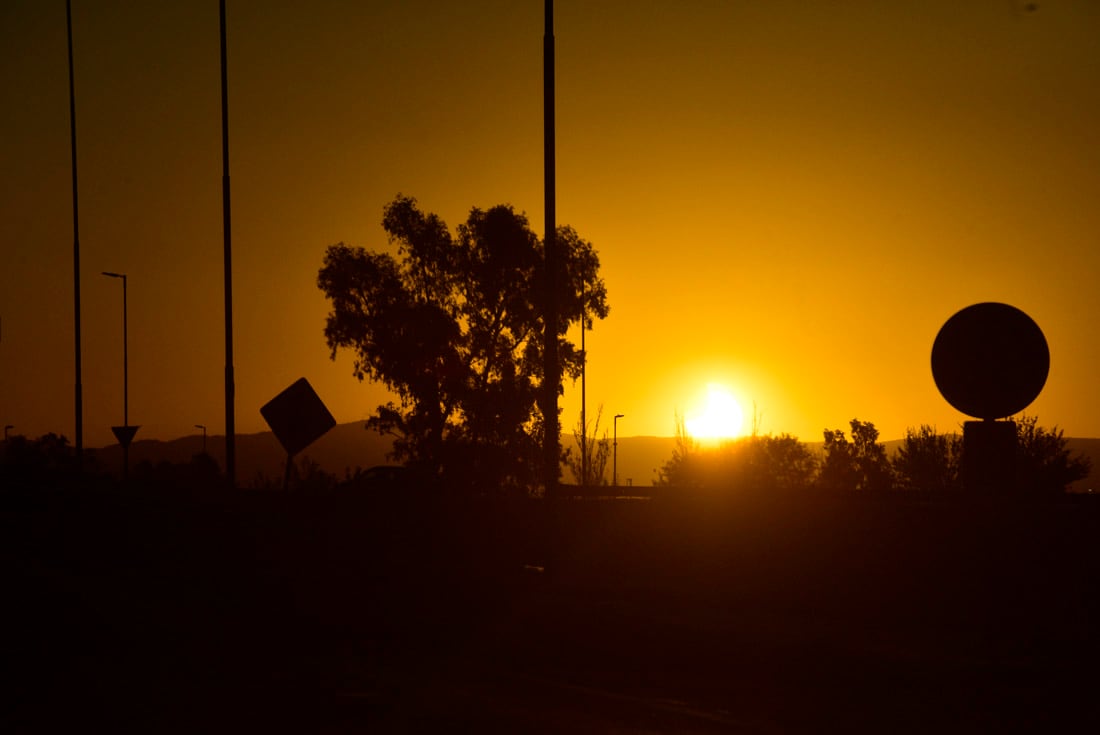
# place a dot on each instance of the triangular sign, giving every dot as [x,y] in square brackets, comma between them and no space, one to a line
[124,434]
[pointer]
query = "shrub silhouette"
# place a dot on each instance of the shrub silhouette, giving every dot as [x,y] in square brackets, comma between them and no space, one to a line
[928,461]
[763,463]
[1043,462]
[859,464]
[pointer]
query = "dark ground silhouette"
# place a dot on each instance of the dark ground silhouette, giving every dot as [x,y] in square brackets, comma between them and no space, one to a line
[342,613]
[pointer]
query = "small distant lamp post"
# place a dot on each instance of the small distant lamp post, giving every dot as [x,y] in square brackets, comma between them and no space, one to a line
[126,434]
[203,427]
[7,428]
[615,450]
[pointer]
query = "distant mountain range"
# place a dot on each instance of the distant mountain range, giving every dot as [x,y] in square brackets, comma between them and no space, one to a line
[347,447]
[341,450]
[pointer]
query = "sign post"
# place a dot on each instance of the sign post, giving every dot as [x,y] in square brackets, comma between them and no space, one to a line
[990,361]
[297,417]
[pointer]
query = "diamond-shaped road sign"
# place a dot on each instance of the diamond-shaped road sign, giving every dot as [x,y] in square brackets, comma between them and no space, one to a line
[297,416]
[124,434]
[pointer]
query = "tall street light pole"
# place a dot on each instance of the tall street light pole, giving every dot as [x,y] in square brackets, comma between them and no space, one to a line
[230,388]
[550,376]
[615,450]
[203,427]
[584,416]
[79,390]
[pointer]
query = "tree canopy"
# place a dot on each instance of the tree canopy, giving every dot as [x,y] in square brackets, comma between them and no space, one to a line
[1044,461]
[452,325]
[859,464]
[928,461]
[756,463]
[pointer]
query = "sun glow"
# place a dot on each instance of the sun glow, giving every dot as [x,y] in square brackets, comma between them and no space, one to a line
[719,416]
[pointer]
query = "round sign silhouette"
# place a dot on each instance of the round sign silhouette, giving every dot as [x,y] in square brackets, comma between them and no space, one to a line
[990,360]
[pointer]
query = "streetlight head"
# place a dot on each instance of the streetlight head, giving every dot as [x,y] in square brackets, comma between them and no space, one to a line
[114,275]
[620,416]
[199,426]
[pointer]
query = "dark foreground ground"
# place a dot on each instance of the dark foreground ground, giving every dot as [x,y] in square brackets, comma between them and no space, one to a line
[252,613]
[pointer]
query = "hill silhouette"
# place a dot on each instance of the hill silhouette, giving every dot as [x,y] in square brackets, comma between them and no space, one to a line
[350,446]
[344,448]
[347,447]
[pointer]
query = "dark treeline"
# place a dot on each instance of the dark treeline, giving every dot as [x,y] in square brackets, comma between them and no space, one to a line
[856,461]
[926,461]
[50,462]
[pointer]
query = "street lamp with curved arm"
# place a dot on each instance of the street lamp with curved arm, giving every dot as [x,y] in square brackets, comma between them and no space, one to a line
[125,356]
[124,433]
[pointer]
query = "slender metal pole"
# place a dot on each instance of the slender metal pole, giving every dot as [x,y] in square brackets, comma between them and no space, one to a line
[615,451]
[584,417]
[125,383]
[125,360]
[230,389]
[550,377]
[79,390]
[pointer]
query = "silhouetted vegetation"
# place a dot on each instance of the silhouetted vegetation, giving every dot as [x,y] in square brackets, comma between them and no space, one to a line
[46,460]
[304,475]
[452,325]
[678,470]
[859,464]
[925,461]
[202,472]
[928,461]
[1044,464]
[589,463]
[760,463]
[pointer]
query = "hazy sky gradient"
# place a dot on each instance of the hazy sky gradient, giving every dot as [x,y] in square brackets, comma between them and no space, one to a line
[788,197]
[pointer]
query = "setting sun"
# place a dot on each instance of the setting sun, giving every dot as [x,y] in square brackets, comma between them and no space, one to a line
[719,416]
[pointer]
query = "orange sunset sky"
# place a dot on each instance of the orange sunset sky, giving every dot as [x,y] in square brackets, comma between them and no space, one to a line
[789,198]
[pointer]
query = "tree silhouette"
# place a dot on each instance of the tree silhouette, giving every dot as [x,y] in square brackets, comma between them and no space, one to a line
[782,463]
[682,469]
[928,461]
[201,473]
[49,458]
[1043,462]
[597,448]
[859,464]
[758,463]
[452,326]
